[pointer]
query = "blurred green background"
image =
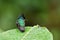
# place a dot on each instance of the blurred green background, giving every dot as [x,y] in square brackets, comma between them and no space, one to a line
[42,12]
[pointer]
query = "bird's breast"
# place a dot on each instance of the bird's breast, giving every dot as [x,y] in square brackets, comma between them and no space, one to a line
[21,22]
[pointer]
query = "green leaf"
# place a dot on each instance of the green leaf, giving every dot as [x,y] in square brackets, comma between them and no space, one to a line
[31,33]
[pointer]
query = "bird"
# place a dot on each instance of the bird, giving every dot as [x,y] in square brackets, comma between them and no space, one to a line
[21,23]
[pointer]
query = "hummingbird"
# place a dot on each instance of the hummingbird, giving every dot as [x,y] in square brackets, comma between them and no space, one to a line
[21,23]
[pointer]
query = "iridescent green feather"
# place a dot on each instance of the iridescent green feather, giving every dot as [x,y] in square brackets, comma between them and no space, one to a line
[21,22]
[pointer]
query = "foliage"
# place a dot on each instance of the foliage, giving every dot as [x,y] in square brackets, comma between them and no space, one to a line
[31,33]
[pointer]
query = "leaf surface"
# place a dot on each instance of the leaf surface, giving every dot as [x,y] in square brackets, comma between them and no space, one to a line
[31,33]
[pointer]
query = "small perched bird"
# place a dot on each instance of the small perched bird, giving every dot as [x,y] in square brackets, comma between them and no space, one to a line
[21,23]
